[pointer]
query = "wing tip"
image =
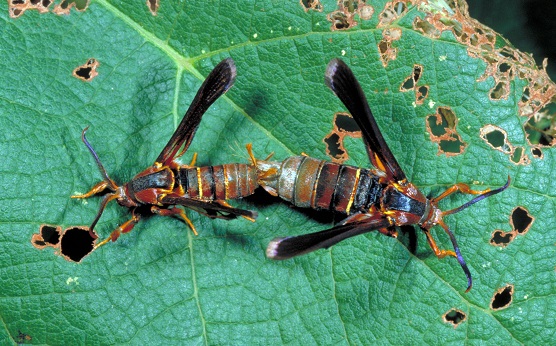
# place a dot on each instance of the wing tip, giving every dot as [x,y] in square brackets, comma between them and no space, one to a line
[231,65]
[273,249]
[331,70]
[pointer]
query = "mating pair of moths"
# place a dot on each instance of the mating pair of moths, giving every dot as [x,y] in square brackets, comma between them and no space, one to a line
[372,199]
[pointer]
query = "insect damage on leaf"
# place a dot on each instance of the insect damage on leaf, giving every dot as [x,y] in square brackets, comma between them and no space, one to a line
[392,11]
[541,131]
[65,6]
[497,139]
[74,243]
[340,20]
[410,84]
[519,157]
[425,27]
[18,7]
[343,17]
[502,298]
[87,71]
[48,235]
[153,6]
[501,238]
[343,125]
[442,130]
[537,153]
[314,5]
[385,49]
[504,64]
[520,221]
[455,317]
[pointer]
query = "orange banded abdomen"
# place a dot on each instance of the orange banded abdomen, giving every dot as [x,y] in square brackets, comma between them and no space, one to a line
[229,181]
[311,183]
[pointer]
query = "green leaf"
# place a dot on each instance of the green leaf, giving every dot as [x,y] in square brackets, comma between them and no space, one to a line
[160,283]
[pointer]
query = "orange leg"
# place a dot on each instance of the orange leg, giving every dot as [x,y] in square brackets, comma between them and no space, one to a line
[94,190]
[124,228]
[463,188]
[262,175]
[249,147]
[174,211]
[439,253]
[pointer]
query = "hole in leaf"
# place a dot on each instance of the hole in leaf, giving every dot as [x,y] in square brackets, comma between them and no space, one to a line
[392,11]
[421,94]
[18,7]
[343,17]
[340,21]
[344,122]
[343,125]
[387,52]
[410,83]
[502,298]
[449,147]
[334,147]
[76,243]
[400,7]
[525,97]
[442,130]
[541,131]
[350,6]
[15,12]
[499,91]
[425,27]
[65,6]
[474,40]
[496,138]
[537,153]
[79,4]
[417,70]
[504,67]
[521,220]
[48,236]
[455,317]
[519,157]
[311,5]
[87,71]
[501,238]
[383,47]
[407,84]
[153,6]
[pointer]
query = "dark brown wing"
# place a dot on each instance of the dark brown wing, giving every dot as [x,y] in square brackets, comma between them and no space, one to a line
[288,247]
[210,208]
[215,85]
[340,79]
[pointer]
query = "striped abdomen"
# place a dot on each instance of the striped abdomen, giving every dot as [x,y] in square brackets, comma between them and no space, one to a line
[310,183]
[221,182]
